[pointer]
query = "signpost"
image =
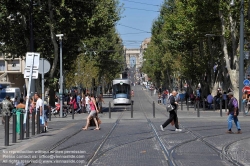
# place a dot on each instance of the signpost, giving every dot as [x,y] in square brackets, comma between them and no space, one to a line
[44,67]
[32,66]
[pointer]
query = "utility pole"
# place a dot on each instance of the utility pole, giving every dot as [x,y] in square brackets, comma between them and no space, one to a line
[61,76]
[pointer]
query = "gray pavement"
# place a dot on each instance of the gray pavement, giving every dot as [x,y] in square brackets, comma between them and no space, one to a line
[123,140]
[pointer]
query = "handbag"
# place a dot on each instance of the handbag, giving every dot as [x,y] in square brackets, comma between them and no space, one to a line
[170,107]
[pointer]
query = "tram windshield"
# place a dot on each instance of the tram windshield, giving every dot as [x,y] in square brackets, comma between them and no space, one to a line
[121,91]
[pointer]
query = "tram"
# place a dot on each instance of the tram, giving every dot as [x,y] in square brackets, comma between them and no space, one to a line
[121,92]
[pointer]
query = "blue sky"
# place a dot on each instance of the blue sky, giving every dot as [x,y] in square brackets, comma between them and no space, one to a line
[136,21]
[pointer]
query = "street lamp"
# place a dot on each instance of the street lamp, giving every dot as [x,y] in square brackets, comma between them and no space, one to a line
[61,76]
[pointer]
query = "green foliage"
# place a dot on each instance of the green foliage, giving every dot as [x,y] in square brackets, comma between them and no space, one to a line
[90,21]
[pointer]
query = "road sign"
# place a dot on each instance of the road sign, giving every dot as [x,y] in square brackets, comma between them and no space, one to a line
[30,60]
[34,74]
[246,82]
[246,88]
[44,66]
[32,65]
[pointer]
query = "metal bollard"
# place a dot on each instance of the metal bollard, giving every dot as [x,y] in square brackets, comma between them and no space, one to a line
[28,124]
[109,110]
[73,113]
[33,122]
[131,109]
[225,105]
[188,105]
[14,128]
[6,141]
[204,107]
[195,105]
[220,108]
[38,122]
[181,104]
[153,109]
[214,104]
[21,127]
[198,110]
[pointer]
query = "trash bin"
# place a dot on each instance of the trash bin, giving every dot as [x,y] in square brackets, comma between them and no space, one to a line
[18,113]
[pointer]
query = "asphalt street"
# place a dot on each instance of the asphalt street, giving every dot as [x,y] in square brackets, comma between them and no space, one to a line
[135,141]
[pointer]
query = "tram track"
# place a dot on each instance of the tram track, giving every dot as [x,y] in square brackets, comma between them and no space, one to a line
[93,155]
[223,154]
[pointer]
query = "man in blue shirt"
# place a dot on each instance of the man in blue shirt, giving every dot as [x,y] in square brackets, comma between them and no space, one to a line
[210,99]
[233,113]
[78,101]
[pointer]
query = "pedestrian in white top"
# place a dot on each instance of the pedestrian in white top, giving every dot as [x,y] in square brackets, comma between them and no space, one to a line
[87,103]
[39,106]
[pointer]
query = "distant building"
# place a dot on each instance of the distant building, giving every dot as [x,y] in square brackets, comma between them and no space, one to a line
[11,71]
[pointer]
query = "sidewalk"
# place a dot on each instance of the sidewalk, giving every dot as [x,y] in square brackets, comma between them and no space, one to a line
[56,125]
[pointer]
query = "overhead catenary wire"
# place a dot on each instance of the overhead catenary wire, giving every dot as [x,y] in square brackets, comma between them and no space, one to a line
[133,28]
[141,3]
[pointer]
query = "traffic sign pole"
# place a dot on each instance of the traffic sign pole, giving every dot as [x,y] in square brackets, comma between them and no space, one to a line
[31,59]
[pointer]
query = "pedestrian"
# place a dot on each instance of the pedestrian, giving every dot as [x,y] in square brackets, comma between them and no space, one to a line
[7,107]
[87,103]
[46,114]
[83,103]
[210,100]
[93,113]
[39,108]
[99,102]
[233,113]
[132,93]
[73,103]
[172,113]
[21,105]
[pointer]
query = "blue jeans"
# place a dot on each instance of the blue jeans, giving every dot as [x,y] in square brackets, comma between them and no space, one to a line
[164,101]
[230,120]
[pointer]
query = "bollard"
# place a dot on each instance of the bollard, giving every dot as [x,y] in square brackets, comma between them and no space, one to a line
[131,109]
[226,105]
[28,125]
[109,110]
[21,127]
[73,113]
[6,141]
[220,108]
[49,113]
[14,128]
[198,110]
[153,109]
[195,105]
[181,104]
[33,122]
[214,104]
[38,122]
[204,108]
[188,105]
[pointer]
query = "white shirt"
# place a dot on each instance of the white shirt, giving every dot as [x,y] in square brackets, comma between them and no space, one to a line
[39,103]
[86,100]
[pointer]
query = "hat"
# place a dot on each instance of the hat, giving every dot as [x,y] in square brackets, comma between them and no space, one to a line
[230,93]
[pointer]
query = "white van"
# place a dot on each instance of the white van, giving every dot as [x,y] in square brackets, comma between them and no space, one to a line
[12,92]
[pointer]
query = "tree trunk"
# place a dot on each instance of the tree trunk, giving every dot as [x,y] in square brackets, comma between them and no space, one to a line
[53,39]
[233,73]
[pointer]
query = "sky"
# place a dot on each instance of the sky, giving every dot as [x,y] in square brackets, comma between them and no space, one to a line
[136,20]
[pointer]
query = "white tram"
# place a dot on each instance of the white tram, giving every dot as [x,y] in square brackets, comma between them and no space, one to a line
[121,91]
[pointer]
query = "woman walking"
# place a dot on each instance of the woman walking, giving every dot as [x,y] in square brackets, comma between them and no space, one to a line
[93,113]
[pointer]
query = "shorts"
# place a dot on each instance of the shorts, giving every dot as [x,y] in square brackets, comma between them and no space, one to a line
[45,115]
[4,113]
[92,113]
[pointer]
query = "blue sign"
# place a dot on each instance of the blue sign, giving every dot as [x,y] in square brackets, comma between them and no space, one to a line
[246,82]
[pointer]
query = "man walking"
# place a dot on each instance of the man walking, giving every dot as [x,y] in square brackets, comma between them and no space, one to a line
[7,108]
[172,114]
[39,107]
[233,113]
